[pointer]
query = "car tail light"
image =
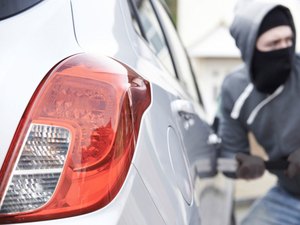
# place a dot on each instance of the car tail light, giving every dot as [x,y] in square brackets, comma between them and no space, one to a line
[75,142]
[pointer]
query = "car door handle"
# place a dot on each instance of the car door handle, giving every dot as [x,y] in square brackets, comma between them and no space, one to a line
[184,108]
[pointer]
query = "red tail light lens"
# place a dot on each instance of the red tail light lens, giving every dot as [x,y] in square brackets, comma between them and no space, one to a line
[74,145]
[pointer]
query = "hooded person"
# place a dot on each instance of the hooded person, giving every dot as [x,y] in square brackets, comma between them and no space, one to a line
[262,98]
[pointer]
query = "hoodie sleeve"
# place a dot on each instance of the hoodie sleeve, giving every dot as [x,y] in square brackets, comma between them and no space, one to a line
[233,133]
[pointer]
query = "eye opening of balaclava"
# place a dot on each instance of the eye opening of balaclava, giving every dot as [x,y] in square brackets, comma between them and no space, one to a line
[271,69]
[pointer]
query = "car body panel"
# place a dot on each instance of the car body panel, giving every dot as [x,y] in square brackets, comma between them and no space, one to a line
[100,29]
[152,160]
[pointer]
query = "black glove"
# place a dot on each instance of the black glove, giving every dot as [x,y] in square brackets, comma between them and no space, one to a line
[249,167]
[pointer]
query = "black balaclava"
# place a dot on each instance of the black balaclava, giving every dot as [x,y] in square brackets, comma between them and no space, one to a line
[271,69]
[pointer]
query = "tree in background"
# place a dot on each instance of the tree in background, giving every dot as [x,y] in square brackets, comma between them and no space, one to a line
[172,4]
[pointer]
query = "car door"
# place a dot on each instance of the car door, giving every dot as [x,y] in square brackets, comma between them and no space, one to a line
[198,138]
[188,139]
[201,143]
[171,93]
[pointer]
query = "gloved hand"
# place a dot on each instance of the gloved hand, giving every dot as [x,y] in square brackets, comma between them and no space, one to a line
[249,166]
[294,166]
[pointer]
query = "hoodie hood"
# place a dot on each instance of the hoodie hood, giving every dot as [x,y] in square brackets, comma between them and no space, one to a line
[246,24]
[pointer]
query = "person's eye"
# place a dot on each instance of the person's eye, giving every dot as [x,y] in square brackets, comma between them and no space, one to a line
[273,43]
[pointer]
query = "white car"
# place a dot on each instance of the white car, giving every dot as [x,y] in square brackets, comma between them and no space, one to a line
[100,120]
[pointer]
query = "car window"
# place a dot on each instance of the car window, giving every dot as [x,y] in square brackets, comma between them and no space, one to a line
[182,63]
[10,8]
[151,28]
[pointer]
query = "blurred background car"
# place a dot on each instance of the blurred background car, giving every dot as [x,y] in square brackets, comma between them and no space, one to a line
[101,118]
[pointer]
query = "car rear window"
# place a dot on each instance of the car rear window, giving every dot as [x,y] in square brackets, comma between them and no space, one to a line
[10,8]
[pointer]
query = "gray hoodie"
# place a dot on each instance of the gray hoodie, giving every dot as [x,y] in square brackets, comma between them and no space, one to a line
[273,119]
